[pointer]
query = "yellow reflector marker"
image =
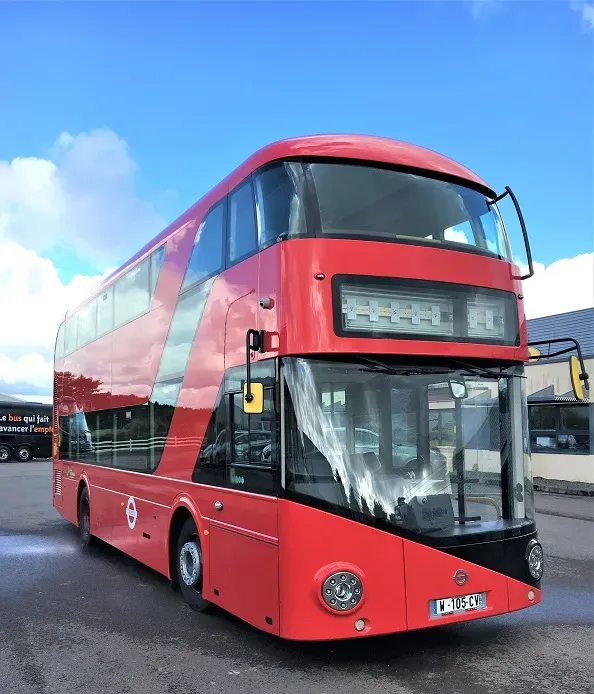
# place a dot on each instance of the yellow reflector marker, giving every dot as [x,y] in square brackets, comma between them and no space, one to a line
[533,352]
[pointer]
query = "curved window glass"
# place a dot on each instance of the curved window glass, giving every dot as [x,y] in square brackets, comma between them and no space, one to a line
[366,202]
[280,199]
[395,445]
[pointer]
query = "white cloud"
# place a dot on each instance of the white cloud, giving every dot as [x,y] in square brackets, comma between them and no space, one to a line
[586,10]
[33,303]
[565,285]
[82,197]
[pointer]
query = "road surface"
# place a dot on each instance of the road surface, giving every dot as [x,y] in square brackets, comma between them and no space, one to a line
[101,623]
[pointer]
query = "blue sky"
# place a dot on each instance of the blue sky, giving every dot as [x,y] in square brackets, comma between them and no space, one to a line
[194,88]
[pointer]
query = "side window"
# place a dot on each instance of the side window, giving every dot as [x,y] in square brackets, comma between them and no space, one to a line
[105,312]
[214,452]
[161,408]
[132,294]
[242,223]
[60,342]
[184,324]
[87,435]
[70,334]
[64,437]
[207,252]
[103,438]
[132,434]
[253,435]
[156,260]
[87,324]
[280,211]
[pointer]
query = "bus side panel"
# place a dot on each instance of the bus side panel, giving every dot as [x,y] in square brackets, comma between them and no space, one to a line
[430,576]
[519,595]
[244,577]
[69,496]
[314,544]
[133,510]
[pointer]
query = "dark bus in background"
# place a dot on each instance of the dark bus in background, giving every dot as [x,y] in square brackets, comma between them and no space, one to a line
[25,431]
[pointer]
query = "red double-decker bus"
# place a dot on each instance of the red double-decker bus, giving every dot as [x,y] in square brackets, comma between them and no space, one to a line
[304,401]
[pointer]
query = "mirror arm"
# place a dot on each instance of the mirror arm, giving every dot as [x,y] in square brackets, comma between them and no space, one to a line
[255,345]
[576,345]
[510,192]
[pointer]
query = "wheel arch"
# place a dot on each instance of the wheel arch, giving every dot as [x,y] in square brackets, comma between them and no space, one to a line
[83,483]
[182,509]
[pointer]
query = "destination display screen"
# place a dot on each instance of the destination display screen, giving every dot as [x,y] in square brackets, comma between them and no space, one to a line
[387,307]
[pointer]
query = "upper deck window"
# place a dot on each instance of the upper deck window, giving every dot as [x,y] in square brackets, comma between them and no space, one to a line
[242,227]
[366,202]
[132,293]
[279,194]
[207,251]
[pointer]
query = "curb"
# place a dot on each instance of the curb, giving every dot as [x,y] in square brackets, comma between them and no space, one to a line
[563,487]
[561,514]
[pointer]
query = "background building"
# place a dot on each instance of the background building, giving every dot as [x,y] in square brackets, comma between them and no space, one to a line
[561,427]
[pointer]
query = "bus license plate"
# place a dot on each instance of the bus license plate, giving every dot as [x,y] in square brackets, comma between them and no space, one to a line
[461,603]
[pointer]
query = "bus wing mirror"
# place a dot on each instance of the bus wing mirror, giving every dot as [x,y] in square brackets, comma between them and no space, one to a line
[457,389]
[577,370]
[255,403]
[575,373]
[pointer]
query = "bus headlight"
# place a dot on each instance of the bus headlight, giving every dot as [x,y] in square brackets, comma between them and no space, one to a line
[535,559]
[342,591]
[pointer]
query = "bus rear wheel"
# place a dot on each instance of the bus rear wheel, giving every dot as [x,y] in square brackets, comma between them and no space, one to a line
[5,453]
[24,454]
[189,567]
[84,519]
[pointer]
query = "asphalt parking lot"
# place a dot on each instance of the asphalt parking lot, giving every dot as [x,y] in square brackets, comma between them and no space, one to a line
[101,623]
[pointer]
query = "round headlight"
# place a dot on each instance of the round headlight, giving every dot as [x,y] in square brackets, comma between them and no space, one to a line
[535,559]
[342,591]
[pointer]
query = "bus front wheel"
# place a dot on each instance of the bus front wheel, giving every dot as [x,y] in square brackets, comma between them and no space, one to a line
[24,454]
[84,519]
[5,453]
[189,567]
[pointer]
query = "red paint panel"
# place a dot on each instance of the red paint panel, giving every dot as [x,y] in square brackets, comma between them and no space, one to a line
[269,282]
[253,513]
[429,576]
[241,313]
[518,595]
[309,541]
[244,571]
[302,296]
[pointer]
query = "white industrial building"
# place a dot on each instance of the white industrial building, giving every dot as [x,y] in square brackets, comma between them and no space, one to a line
[561,427]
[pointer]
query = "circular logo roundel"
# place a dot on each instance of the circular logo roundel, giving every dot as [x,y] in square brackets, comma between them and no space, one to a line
[460,577]
[131,513]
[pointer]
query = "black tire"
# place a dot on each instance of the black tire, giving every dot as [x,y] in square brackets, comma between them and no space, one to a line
[190,567]
[5,453]
[23,454]
[84,519]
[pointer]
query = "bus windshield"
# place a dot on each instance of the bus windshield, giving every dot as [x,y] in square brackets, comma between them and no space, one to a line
[398,447]
[357,201]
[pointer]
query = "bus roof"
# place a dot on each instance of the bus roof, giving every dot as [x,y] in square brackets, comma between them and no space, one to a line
[353,147]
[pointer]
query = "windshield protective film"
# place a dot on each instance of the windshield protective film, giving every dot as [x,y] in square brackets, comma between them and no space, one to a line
[398,446]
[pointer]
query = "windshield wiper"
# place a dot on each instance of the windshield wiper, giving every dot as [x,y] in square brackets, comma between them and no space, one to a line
[381,367]
[471,369]
[483,371]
